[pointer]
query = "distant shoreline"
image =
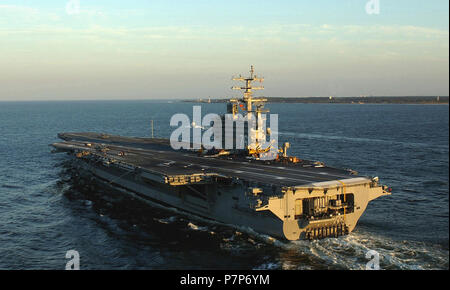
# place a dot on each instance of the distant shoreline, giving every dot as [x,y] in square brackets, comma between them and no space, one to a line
[425,100]
[299,100]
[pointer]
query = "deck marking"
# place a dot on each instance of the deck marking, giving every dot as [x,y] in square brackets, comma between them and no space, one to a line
[295,175]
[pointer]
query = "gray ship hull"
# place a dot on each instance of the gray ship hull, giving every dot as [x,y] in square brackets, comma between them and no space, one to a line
[222,204]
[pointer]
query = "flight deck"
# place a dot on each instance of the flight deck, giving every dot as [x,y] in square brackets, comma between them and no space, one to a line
[156,156]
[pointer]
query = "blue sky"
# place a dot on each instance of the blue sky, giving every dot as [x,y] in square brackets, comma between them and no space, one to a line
[175,49]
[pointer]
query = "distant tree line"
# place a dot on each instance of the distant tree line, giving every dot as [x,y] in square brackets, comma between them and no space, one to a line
[349,100]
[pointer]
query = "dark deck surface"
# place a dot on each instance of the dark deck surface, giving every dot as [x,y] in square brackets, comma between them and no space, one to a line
[157,156]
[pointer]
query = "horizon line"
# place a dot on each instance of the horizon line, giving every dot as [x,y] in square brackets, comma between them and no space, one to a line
[218,98]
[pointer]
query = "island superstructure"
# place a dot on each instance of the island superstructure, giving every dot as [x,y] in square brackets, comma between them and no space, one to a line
[285,197]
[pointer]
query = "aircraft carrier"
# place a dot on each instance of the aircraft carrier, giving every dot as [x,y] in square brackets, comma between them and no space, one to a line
[285,197]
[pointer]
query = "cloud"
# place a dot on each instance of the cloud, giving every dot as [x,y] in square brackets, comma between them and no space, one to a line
[15,19]
[323,41]
[11,15]
[18,9]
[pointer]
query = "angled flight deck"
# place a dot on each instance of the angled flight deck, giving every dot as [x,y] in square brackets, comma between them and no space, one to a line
[155,155]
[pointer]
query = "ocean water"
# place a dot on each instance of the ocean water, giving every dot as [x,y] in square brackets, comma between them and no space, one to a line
[44,212]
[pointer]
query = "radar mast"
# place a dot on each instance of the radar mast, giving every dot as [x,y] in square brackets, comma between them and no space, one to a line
[253,107]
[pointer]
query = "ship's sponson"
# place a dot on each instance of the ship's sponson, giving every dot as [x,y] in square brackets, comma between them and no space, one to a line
[319,209]
[294,201]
